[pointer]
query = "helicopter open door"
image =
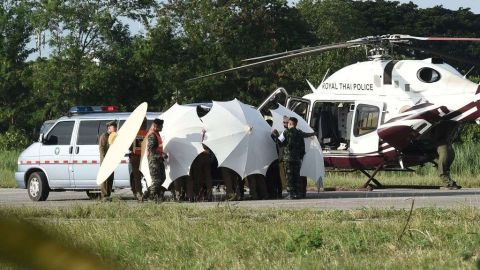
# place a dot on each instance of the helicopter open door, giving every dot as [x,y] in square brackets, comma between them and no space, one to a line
[367,117]
[279,96]
[299,106]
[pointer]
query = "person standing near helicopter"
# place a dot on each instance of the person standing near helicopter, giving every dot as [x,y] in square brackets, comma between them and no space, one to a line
[293,152]
[443,136]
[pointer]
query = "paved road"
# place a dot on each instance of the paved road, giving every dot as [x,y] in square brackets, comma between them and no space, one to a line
[393,198]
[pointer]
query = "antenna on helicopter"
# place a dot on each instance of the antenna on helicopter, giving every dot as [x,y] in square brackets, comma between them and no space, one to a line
[325,76]
[468,72]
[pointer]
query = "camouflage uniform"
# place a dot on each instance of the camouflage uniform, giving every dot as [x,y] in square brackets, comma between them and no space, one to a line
[157,168]
[107,185]
[293,152]
[443,135]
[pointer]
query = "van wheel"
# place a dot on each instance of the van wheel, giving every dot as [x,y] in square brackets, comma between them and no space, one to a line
[93,195]
[37,187]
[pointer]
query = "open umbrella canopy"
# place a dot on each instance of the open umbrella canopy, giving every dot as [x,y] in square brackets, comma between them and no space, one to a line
[312,165]
[239,137]
[182,140]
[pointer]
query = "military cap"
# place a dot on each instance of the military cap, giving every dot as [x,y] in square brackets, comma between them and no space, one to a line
[111,123]
[158,121]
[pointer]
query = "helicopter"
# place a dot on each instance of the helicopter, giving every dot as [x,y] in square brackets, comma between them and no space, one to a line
[378,114]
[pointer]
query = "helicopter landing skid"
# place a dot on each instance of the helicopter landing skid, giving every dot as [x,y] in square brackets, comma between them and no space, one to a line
[372,183]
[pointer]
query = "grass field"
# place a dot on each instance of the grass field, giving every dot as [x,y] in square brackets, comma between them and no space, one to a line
[465,170]
[170,236]
[8,165]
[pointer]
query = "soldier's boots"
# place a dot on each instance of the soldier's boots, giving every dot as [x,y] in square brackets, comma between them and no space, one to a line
[449,182]
[292,196]
[146,195]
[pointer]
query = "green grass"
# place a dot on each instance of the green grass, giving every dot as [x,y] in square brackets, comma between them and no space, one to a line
[172,236]
[465,170]
[8,166]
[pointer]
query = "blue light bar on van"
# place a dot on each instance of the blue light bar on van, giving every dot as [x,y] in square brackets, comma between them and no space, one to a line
[92,109]
[81,109]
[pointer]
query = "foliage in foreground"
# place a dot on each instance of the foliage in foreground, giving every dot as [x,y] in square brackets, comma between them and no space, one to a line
[226,237]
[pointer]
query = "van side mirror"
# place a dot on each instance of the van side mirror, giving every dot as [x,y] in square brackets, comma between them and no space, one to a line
[41,138]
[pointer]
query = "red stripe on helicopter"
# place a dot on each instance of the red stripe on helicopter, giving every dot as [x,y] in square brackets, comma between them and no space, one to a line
[459,112]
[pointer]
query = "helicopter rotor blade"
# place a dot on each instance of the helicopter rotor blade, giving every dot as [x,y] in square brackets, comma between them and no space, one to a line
[397,37]
[283,53]
[472,61]
[280,58]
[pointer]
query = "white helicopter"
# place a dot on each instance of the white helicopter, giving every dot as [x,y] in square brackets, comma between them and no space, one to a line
[377,115]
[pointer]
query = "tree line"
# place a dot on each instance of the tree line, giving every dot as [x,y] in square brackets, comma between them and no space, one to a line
[96,59]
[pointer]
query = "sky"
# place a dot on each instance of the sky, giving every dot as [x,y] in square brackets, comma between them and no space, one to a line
[474,5]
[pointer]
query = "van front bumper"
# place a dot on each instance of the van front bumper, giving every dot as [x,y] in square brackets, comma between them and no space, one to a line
[20,179]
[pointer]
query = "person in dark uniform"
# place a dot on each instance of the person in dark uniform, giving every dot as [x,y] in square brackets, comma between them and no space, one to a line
[202,176]
[293,152]
[274,184]
[272,176]
[233,184]
[443,135]
[104,142]
[257,186]
[134,159]
[156,156]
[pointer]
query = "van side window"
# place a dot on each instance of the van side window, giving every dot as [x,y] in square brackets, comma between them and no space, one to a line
[61,134]
[88,133]
[366,119]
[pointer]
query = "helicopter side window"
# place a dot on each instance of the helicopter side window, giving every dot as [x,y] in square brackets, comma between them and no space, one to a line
[366,119]
[428,75]
[299,107]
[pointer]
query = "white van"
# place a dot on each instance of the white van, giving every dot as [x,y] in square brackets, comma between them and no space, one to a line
[67,156]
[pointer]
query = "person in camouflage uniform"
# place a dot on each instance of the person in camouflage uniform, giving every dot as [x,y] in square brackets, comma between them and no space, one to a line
[156,157]
[293,152]
[443,136]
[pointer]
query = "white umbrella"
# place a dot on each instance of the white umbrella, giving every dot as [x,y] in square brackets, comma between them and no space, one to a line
[182,140]
[312,165]
[124,139]
[239,137]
